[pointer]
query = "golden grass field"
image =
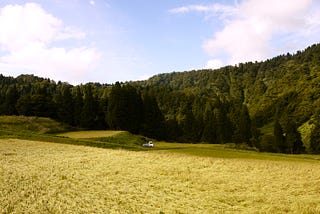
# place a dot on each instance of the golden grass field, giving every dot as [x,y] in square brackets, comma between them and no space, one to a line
[40,177]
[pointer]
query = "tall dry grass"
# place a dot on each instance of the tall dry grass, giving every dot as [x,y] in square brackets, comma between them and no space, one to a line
[38,177]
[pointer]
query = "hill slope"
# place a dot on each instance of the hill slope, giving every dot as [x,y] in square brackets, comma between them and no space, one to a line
[290,82]
[285,88]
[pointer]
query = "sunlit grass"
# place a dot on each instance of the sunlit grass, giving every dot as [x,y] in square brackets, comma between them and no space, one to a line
[39,177]
[90,134]
[223,151]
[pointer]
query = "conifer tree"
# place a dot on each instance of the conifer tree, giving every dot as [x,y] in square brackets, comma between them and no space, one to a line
[153,119]
[294,144]
[88,114]
[65,104]
[209,133]
[77,107]
[245,126]
[279,144]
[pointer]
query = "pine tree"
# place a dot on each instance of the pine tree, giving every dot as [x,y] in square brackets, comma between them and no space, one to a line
[65,104]
[153,119]
[294,143]
[88,114]
[209,133]
[245,126]
[125,108]
[77,107]
[11,101]
[279,144]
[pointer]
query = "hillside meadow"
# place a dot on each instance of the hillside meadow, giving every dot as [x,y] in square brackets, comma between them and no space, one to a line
[41,177]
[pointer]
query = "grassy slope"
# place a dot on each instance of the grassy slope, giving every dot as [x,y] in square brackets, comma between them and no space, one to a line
[57,178]
[48,130]
[90,134]
[18,125]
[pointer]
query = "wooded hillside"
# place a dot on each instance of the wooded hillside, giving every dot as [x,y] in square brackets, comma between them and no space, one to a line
[272,105]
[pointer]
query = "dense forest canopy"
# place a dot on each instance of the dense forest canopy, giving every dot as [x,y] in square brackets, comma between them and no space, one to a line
[272,105]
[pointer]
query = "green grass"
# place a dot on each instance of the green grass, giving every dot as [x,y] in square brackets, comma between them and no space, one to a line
[222,151]
[90,134]
[48,130]
[19,125]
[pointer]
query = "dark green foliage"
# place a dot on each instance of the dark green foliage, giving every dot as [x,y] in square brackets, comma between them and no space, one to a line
[294,144]
[153,120]
[209,133]
[36,105]
[64,103]
[190,128]
[88,114]
[8,105]
[279,139]
[125,108]
[77,106]
[245,126]
[315,139]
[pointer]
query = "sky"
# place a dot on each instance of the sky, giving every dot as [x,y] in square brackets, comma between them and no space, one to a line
[80,41]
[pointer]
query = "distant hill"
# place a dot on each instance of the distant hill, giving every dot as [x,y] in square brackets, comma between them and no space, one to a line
[286,87]
[290,83]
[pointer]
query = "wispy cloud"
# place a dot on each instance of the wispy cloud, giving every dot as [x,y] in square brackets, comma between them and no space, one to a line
[220,10]
[28,39]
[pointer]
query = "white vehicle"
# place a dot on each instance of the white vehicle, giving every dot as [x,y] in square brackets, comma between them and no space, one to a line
[149,144]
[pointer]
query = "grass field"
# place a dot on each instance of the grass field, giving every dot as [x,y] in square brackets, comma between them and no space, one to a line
[40,177]
[90,134]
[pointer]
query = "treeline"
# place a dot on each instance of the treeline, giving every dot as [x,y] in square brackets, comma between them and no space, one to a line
[272,105]
[90,106]
[193,119]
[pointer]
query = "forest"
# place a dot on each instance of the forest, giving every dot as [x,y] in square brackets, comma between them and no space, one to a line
[271,106]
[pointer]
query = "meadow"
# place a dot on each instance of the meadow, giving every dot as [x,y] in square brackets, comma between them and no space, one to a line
[42,177]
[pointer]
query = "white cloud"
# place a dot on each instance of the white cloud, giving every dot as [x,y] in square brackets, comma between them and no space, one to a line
[27,37]
[259,26]
[214,64]
[259,29]
[92,2]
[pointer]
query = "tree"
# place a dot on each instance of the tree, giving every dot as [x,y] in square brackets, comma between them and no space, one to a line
[36,105]
[223,129]
[189,127]
[315,139]
[77,107]
[133,106]
[64,102]
[153,119]
[209,133]
[294,143]
[11,99]
[245,126]
[279,140]
[125,108]
[88,114]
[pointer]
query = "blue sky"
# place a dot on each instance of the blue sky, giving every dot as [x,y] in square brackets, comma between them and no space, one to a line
[104,41]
